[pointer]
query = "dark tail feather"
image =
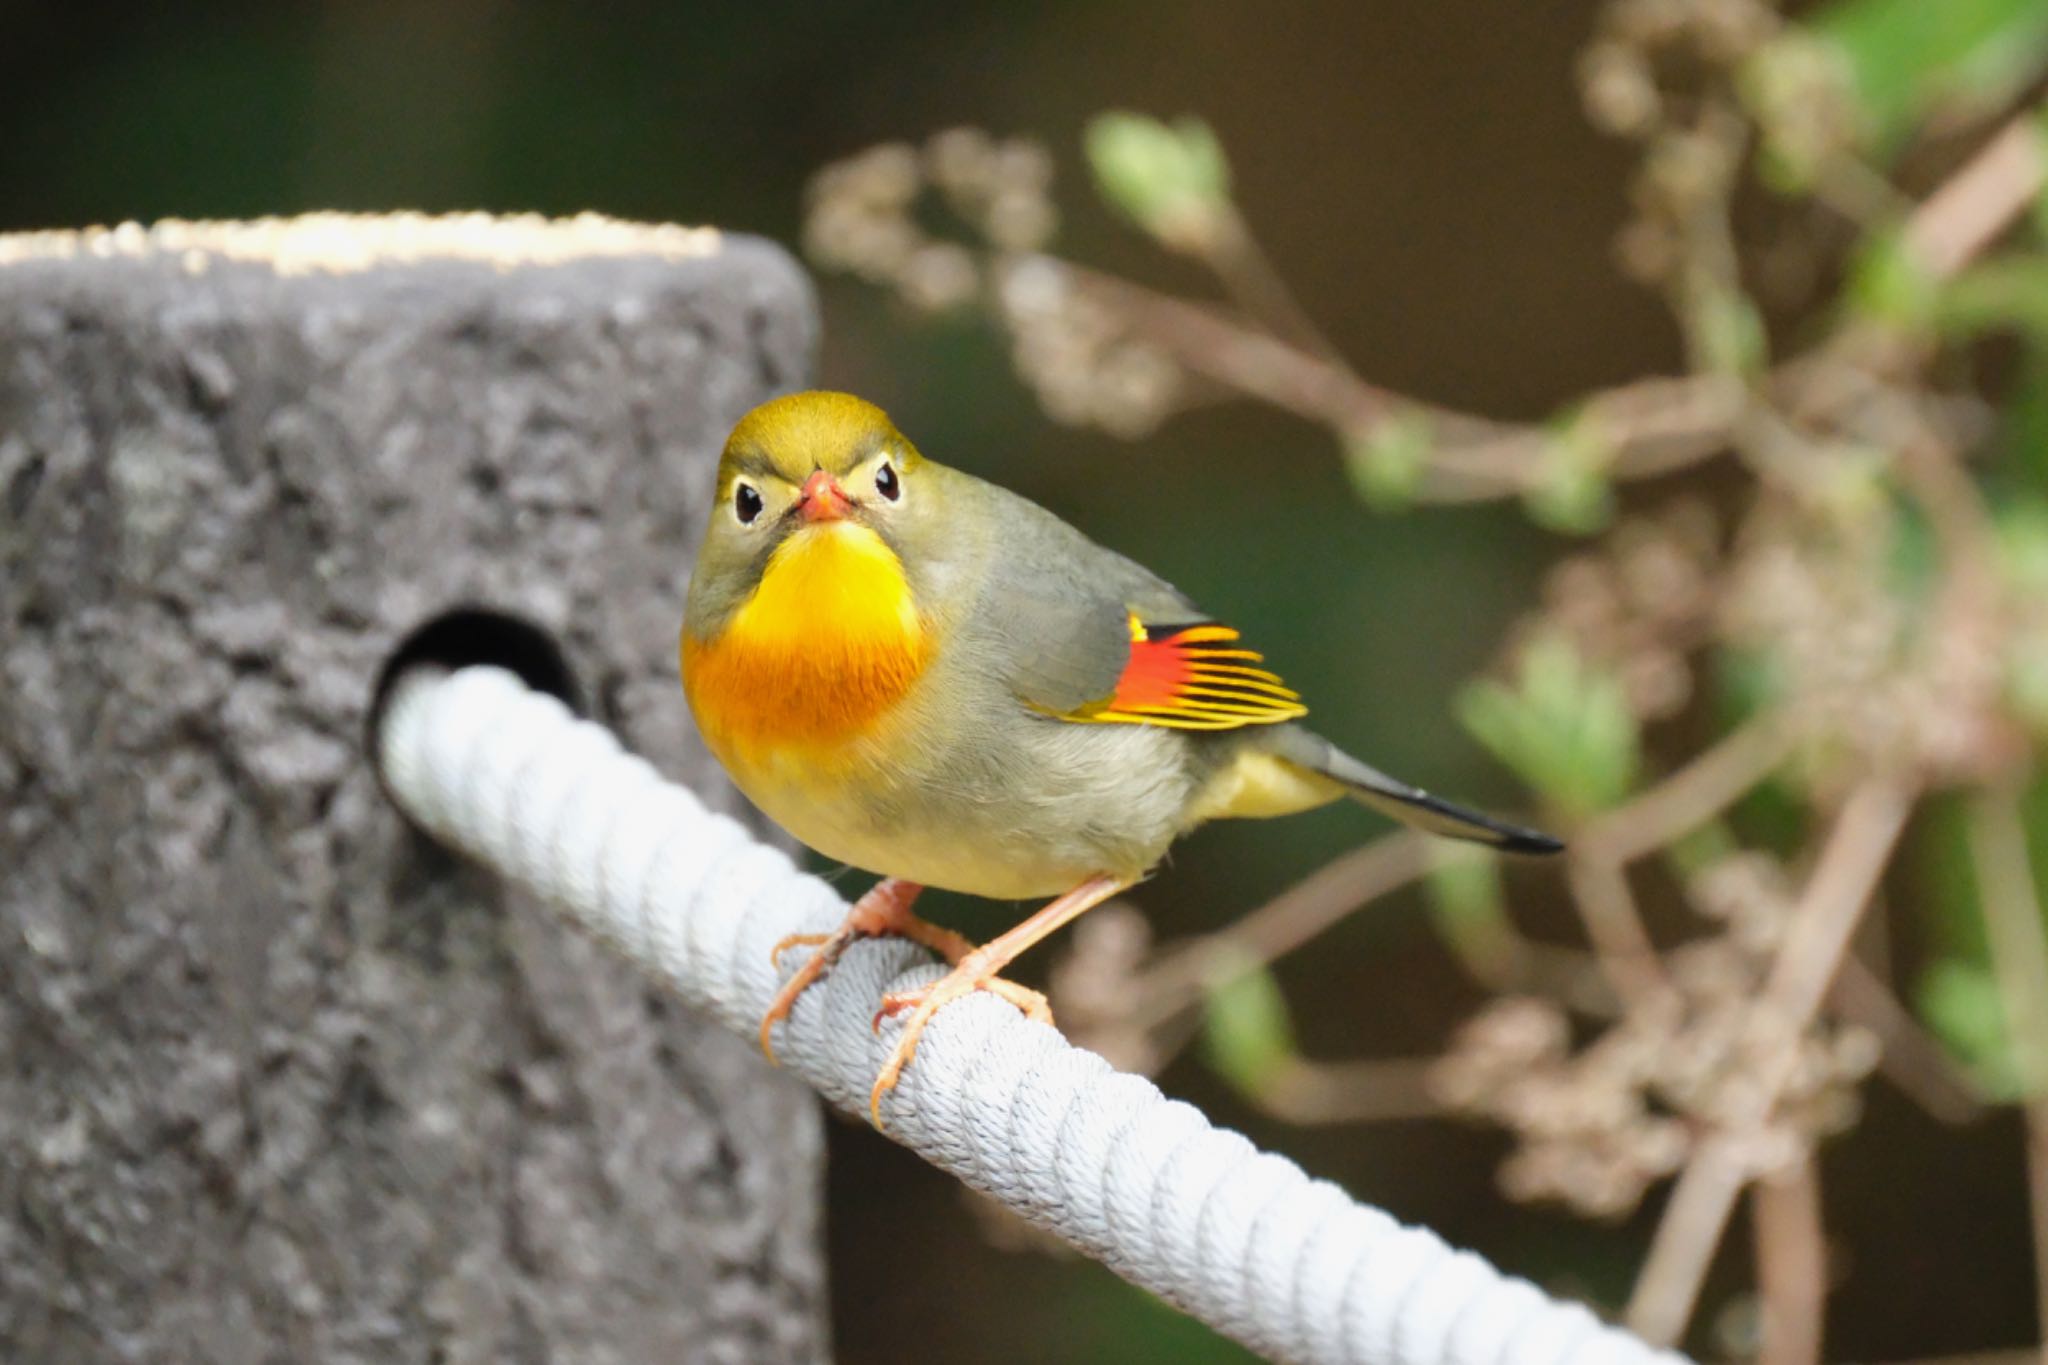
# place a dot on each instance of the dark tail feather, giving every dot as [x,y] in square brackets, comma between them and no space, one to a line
[1409,805]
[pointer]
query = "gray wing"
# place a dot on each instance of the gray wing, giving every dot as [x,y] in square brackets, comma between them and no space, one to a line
[1061,607]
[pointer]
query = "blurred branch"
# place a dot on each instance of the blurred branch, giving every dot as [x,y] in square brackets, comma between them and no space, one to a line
[1913,1061]
[1245,269]
[1851,864]
[1495,955]
[1707,785]
[1282,924]
[1792,1263]
[1614,923]
[1624,954]
[1653,426]
[1976,204]
[1649,427]
[2019,961]
[1379,1091]
[1232,351]
[1178,979]
[1848,872]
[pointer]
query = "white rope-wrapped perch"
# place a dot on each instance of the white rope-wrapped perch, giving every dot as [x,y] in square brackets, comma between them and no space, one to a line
[1243,1240]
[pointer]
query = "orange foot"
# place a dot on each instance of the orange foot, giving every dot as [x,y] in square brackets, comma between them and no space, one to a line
[978,971]
[885,909]
[974,973]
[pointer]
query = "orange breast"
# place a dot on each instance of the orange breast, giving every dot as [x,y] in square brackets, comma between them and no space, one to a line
[827,645]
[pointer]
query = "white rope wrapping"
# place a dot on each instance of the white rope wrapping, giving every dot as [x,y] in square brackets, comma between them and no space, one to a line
[1241,1239]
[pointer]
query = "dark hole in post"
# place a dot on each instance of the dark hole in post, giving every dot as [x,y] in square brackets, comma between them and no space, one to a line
[477,635]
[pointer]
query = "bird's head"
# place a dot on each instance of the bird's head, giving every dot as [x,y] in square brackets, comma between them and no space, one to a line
[796,471]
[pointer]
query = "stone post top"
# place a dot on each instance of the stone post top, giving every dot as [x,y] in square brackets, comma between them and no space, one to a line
[343,243]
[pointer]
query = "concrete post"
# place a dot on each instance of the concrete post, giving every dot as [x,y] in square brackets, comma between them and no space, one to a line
[279,1081]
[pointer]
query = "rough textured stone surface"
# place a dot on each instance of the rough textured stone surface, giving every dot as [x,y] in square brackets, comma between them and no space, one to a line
[279,1081]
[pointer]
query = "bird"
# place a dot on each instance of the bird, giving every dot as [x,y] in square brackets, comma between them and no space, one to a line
[921,674]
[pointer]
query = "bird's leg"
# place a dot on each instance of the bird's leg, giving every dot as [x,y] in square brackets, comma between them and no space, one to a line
[885,909]
[977,971]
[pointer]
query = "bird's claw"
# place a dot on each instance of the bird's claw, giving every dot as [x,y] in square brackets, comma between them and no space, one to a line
[829,946]
[789,941]
[923,1003]
[885,909]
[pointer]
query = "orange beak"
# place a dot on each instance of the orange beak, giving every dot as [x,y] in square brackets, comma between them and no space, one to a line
[823,499]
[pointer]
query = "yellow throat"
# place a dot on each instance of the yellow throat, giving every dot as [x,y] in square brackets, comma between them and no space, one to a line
[828,642]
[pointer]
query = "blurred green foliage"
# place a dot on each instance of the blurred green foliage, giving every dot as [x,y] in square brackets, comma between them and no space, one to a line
[1562,724]
[1386,463]
[1246,1034]
[1572,494]
[1957,992]
[1909,57]
[1170,179]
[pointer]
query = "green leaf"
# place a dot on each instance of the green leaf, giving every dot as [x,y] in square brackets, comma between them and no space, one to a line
[2041,148]
[1171,180]
[1467,906]
[1911,58]
[1464,885]
[1913,560]
[1729,334]
[1386,461]
[1751,678]
[1572,494]
[1697,850]
[2022,539]
[1246,1033]
[1960,1002]
[1888,284]
[2023,437]
[2009,293]
[1801,91]
[1946,870]
[2026,680]
[1564,727]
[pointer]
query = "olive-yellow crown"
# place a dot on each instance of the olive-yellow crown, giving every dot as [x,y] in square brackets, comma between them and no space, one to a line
[791,437]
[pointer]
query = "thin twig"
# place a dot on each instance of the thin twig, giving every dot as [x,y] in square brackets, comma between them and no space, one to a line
[1378,1091]
[1687,1236]
[1233,351]
[1498,956]
[1976,204]
[1649,427]
[1711,782]
[1791,1263]
[1850,866]
[1614,924]
[1909,1057]
[1234,254]
[2019,961]
[1284,923]
[1653,426]
[1844,879]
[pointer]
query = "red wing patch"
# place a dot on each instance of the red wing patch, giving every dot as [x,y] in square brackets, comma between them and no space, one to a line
[1194,677]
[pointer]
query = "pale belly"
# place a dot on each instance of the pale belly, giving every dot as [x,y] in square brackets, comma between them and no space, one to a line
[931,851]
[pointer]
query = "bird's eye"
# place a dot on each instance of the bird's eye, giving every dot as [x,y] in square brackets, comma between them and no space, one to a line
[886,482]
[746,502]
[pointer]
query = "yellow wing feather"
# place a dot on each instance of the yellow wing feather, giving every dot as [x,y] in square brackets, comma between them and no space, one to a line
[1193,677]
